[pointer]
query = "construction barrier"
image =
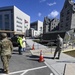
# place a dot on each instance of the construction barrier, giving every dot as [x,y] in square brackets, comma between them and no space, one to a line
[41,58]
[33,47]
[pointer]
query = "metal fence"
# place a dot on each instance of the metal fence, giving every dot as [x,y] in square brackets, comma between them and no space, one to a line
[68,45]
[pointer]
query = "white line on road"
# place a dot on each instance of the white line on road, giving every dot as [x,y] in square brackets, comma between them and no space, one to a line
[25,71]
[33,69]
[53,70]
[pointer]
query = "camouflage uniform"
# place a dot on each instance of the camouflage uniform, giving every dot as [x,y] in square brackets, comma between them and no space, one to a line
[6,48]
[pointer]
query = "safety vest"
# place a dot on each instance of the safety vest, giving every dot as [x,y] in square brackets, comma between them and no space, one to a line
[20,41]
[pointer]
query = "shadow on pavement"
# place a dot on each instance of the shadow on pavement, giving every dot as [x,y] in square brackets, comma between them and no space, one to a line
[48,57]
[33,57]
[1,70]
[15,52]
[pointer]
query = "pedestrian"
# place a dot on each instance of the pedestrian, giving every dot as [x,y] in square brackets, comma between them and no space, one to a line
[20,44]
[59,43]
[6,48]
[24,43]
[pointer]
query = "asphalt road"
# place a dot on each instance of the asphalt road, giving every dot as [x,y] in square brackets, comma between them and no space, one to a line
[26,64]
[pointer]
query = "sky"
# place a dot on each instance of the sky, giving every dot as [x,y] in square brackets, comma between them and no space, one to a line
[37,9]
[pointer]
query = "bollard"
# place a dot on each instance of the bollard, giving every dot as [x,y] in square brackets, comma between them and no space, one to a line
[64,69]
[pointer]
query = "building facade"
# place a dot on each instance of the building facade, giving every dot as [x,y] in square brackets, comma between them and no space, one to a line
[50,25]
[54,25]
[13,19]
[46,25]
[66,25]
[36,28]
[67,16]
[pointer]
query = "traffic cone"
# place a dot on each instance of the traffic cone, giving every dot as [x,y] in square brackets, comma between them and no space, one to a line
[41,59]
[33,47]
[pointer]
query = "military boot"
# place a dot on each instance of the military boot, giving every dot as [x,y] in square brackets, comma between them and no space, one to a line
[7,72]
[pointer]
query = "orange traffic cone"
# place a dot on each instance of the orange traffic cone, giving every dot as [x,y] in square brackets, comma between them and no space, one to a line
[33,47]
[41,59]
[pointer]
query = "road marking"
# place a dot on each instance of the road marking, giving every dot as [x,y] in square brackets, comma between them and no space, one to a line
[33,69]
[53,70]
[25,71]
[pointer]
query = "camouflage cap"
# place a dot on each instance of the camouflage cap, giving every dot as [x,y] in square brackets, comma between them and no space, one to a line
[3,35]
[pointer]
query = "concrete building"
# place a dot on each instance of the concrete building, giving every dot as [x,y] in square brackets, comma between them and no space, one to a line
[13,19]
[46,24]
[50,25]
[67,16]
[67,22]
[54,25]
[33,33]
[36,28]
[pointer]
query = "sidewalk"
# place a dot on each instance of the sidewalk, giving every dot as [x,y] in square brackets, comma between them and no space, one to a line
[56,65]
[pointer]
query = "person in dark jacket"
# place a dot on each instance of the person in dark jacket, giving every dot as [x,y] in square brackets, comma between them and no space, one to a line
[59,47]
[6,48]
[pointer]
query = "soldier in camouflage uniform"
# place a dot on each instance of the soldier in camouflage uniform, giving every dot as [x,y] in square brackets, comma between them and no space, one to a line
[6,48]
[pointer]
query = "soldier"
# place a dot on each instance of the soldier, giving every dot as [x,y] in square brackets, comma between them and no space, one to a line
[59,46]
[6,48]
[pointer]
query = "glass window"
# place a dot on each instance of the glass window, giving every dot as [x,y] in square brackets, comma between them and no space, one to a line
[19,30]
[19,26]
[12,22]
[19,22]
[19,18]
[0,21]
[68,12]
[66,6]
[62,15]
[6,17]
[67,18]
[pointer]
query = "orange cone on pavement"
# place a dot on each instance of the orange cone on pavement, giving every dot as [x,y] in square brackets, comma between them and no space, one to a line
[33,47]
[41,59]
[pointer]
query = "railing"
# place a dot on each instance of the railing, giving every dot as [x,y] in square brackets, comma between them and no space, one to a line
[51,45]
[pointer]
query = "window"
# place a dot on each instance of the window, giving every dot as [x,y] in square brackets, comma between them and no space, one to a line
[68,11]
[61,20]
[66,24]
[19,26]
[6,17]
[19,18]
[67,18]
[12,22]
[62,15]
[19,30]
[0,21]
[19,22]
[61,25]
[65,5]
